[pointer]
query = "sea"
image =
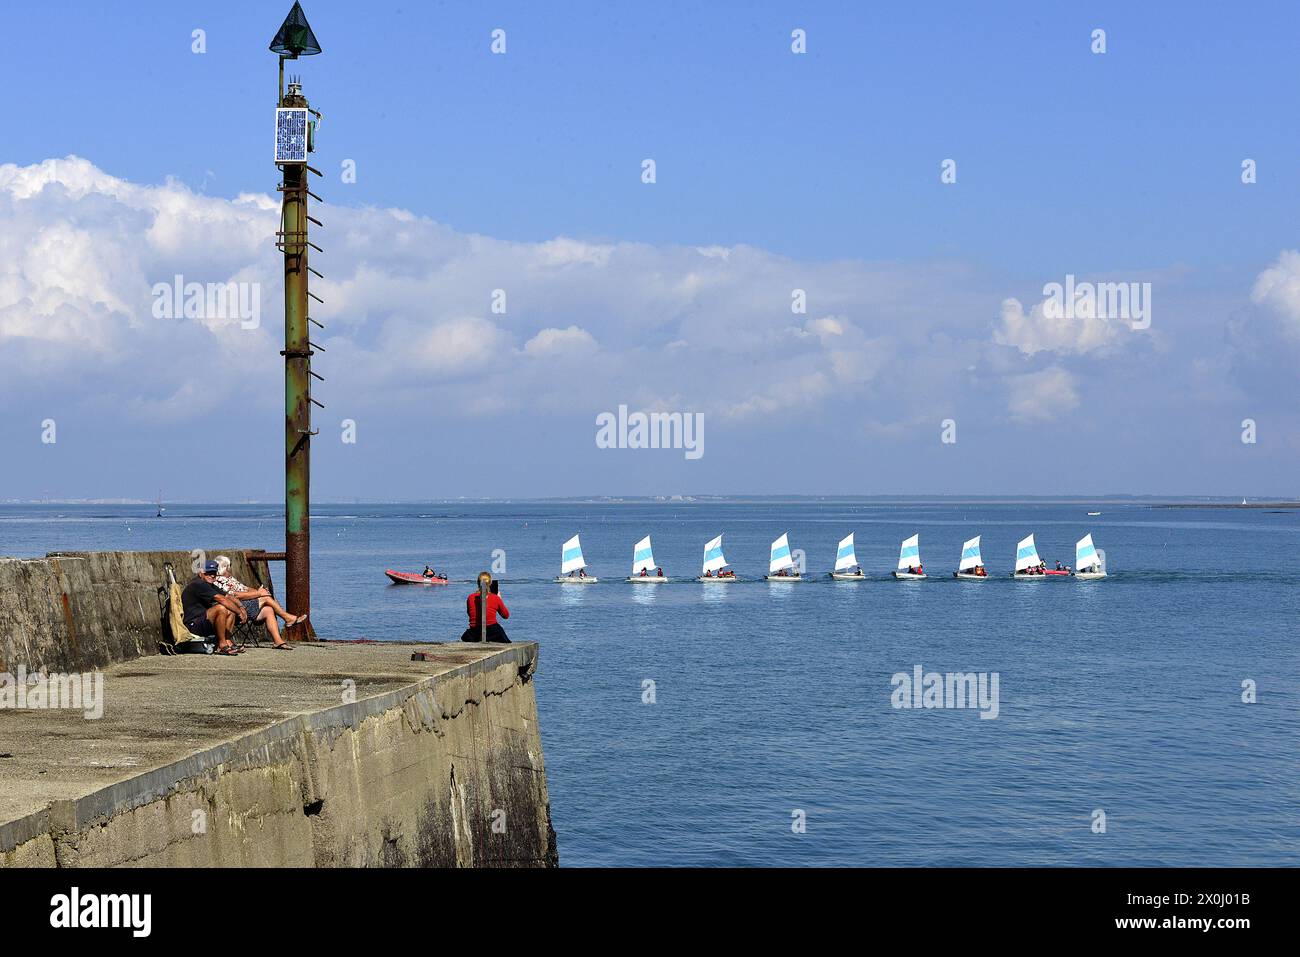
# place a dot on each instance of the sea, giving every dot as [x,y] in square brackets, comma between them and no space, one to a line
[1152,718]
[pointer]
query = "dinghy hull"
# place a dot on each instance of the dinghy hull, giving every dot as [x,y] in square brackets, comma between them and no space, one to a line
[409,578]
[566,580]
[783,578]
[647,580]
[968,577]
[710,579]
[909,577]
[1090,576]
[847,577]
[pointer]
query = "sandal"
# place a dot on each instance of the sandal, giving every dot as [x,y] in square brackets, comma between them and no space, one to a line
[228,651]
[282,646]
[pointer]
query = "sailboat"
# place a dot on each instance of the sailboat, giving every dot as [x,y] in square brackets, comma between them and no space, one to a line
[573,569]
[714,563]
[847,568]
[1088,562]
[971,565]
[781,565]
[1029,567]
[160,505]
[909,560]
[643,564]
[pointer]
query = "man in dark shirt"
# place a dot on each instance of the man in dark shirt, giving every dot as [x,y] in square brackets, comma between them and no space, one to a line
[208,610]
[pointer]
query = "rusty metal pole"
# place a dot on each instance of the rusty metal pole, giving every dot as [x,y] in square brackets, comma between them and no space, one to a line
[297,387]
[293,40]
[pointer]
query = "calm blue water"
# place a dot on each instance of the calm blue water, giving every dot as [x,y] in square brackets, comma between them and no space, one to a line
[1123,695]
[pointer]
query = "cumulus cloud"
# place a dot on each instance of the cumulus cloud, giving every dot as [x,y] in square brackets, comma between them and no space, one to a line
[1277,289]
[419,313]
[409,308]
[1042,330]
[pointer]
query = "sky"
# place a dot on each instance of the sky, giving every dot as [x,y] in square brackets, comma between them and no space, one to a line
[842,267]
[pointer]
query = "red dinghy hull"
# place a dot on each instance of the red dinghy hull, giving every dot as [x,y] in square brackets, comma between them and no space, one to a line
[407,578]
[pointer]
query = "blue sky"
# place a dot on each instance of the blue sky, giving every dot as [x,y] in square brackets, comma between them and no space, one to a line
[818,171]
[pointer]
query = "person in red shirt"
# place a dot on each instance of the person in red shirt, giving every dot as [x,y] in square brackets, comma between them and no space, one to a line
[495,606]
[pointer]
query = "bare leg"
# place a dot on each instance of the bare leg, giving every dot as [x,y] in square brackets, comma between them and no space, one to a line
[277,609]
[223,621]
[267,617]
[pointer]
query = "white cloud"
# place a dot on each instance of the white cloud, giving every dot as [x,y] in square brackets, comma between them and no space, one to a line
[1042,396]
[571,341]
[409,315]
[1038,331]
[1277,288]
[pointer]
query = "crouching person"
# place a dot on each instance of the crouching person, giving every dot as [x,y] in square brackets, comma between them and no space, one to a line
[208,611]
[495,606]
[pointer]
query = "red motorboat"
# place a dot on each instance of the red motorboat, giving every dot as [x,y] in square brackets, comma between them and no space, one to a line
[410,578]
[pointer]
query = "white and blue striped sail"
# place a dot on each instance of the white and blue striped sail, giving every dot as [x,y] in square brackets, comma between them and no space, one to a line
[643,558]
[845,557]
[970,555]
[909,556]
[781,555]
[1085,553]
[713,559]
[571,556]
[1027,554]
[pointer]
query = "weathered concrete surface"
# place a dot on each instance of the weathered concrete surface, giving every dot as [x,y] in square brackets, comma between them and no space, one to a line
[73,611]
[260,761]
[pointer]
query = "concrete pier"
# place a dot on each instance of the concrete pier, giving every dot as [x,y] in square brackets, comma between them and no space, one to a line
[327,755]
[330,754]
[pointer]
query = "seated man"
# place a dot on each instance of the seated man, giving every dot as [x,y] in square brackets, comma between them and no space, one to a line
[258,604]
[208,611]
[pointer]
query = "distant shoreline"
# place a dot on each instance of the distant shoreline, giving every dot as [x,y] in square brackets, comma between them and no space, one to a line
[1151,501]
[1229,505]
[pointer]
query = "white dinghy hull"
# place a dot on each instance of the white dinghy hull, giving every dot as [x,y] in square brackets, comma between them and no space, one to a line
[710,579]
[848,577]
[647,579]
[968,577]
[584,580]
[909,577]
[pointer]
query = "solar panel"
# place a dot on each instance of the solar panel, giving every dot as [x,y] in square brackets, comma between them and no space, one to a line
[291,135]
